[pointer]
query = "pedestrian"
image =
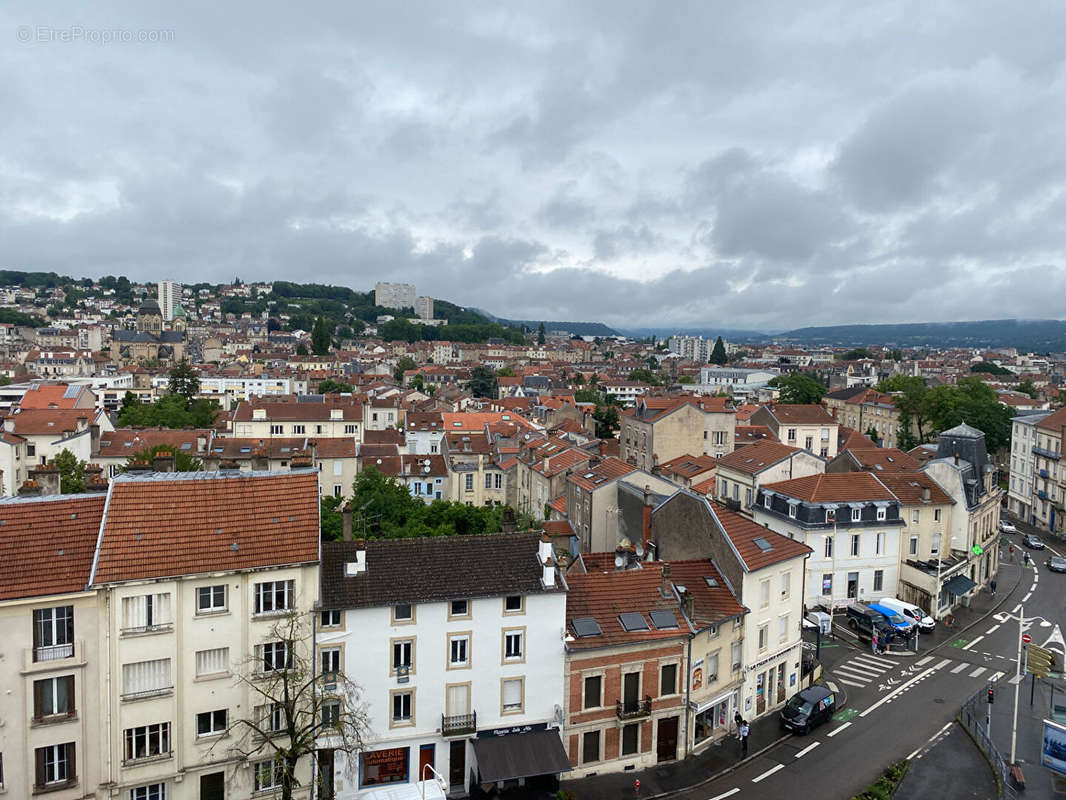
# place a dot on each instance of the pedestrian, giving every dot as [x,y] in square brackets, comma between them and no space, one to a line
[1026,558]
[1010,551]
[992,585]
[744,731]
[738,721]
[873,642]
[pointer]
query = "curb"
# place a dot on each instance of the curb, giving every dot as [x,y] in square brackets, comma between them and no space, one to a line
[984,616]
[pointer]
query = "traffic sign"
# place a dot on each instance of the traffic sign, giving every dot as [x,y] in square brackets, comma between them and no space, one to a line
[1026,638]
[1040,661]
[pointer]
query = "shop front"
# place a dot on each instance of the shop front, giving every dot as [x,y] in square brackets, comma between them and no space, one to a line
[714,719]
[770,682]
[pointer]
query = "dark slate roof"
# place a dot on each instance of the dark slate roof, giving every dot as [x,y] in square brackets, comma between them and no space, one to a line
[433,569]
[144,336]
[149,306]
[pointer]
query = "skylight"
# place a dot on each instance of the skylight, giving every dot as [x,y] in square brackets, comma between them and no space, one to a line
[763,545]
[633,621]
[712,582]
[585,627]
[663,619]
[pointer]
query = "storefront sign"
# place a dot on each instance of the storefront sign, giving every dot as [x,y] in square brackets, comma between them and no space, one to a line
[384,766]
[697,674]
[539,726]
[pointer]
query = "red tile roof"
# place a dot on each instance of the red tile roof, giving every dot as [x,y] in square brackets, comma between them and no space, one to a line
[51,396]
[604,596]
[908,486]
[47,544]
[749,434]
[178,523]
[756,457]
[835,488]
[883,459]
[743,533]
[558,504]
[124,442]
[800,414]
[603,473]
[48,421]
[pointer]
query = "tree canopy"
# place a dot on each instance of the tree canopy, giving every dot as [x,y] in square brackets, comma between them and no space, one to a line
[183,462]
[798,389]
[330,386]
[718,354]
[482,382]
[321,337]
[403,364]
[169,411]
[990,368]
[184,381]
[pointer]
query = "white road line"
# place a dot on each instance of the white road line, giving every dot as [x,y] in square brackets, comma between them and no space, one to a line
[768,773]
[916,752]
[996,676]
[960,668]
[838,730]
[943,663]
[1026,598]
[946,726]
[807,749]
[902,688]
[968,645]
[875,666]
[854,674]
[924,661]
[977,672]
[723,795]
[856,685]
[993,629]
[881,661]
[1017,679]
[832,686]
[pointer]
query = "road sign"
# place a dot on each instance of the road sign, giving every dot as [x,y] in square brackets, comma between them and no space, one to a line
[1040,661]
[1026,638]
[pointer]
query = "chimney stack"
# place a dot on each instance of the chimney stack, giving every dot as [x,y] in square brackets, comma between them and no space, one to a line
[29,489]
[688,602]
[666,578]
[544,551]
[46,477]
[353,568]
[139,466]
[346,522]
[549,573]
[163,461]
[956,459]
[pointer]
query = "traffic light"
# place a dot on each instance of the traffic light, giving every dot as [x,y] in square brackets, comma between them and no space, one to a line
[991,695]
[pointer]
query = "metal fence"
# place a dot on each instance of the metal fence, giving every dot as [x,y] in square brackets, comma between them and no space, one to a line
[973,715]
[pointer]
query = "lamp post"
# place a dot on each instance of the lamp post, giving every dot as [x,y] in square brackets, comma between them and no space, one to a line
[441,782]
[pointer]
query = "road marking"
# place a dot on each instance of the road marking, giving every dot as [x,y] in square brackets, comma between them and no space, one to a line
[768,773]
[881,661]
[993,629]
[856,685]
[807,749]
[903,688]
[730,793]
[943,663]
[838,730]
[832,686]
[960,668]
[916,752]
[866,662]
[996,676]
[971,644]
[925,660]
[840,672]
[977,672]
[1017,679]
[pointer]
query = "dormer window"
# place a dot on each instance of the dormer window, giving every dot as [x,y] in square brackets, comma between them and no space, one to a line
[882,513]
[766,500]
[856,514]
[792,510]
[830,516]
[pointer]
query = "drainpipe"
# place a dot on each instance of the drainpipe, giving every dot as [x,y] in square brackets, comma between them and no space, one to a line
[688,690]
[108,696]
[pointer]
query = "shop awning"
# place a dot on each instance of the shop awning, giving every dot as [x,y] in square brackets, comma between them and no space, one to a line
[960,584]
[520,755]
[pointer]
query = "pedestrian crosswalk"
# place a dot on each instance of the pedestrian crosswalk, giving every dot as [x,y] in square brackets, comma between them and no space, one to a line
[863,670]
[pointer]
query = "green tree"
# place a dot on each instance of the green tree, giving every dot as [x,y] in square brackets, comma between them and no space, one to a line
[1029,388]
[331,521]
[578,379]
[973,402]
[908,393]
[184,381]
[641,375]
[990,368]
[606,417]
[541,334]
[798,389]
[856,353]
[402,365]
[718,355]
[871,434]
[330,386]
[301,349]
[169,411]
[183,462]
[685,380]
[505,372]
[482,382]
[71,472]
[321,338]
[587,396]
[418,383]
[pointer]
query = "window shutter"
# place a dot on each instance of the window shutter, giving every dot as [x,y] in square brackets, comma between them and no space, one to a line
[210,662]
[161,608]
[512,693]
[38,765]
[72,767]
[37,629]
[38,698]
[65,690]
[134,612]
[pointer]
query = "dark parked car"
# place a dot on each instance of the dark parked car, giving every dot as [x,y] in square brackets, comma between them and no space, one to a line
[1056,564]
[1032,542]
[808,709]
[863,619]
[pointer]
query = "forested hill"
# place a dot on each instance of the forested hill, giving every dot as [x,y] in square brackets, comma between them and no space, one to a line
[1041,336]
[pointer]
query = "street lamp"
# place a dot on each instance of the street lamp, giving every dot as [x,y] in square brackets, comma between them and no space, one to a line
[441,782]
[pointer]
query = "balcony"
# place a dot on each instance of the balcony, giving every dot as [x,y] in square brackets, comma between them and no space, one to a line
[53,652]
[1043,473]
[1041,494]
[633,709]
[458,724]
[1040,451]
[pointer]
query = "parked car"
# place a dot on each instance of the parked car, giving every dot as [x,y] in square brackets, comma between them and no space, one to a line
[899,623]
[912,612]
[864,620]
[1056,564]
[808,709]
[1032,542]
[1006,526]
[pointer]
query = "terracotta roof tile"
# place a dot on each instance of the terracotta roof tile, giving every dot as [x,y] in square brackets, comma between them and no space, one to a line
[883,459]
[756,457]
[603,473]
[908,486]
[800,414]
[604,596]
[834,488]
[743,533]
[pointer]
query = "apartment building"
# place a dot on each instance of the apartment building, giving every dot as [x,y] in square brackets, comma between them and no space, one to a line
[807,426]
[457,644]
[1024,472]
[742,472]
[659,429]
[766,572]
[334,459]
[394,295]
[427,478]
[1046,475]
[864,410]
[327,415]
[593,505]
[541,472]
[853,525]
[476,477]
[35,436]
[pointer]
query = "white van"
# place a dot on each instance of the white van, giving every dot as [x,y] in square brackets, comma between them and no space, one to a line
[911,612]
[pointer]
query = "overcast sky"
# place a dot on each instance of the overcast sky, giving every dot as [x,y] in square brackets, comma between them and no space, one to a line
[749,165]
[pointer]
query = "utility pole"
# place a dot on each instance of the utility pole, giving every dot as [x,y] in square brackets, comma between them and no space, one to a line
[1017,685]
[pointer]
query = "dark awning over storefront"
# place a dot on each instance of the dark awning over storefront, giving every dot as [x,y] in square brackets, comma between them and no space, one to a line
[520,755]
[960,584]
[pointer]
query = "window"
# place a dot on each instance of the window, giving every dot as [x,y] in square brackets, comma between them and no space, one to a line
[513,604]
[825,434]
[273,596]
[401,706]
[828,546]
[269,717]
[268,774]
[146,677]
[276,430]
[764,594]
[882,513]
[512,645]
[668,679]
[298,429]
[782,628]
[764,637]
[808,443]
[349,429]
[786,585]
[488,480]
[459,650]
[153,791]
[827,584]
[469,481]
[53,633]
[855,544]
[934,548]
[147,741]
[880,544]
[856,514]
[53,697]
[146,612]
[404,612]
[712,668]
[498,480]
[590,747]
[331,618]
[879,580]
[212,662]
[747,498]
[403,651]
[276,656]
[736,656]
[330,660]
[54,764]
[512,692]
[212,723]
[792,434]
[792,510]
[593,685]
[459,608]
[337,489]
[331,713]
[936,515]
[630,739]
[913,546]
[725,488]
[830,515]
[766,501]
[210,599]
[915,515]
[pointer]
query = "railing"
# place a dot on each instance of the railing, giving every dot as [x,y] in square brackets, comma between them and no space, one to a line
[1041,494]
[1043,473]
[458,724]
[1052,454]
[53,652]
[633,709]
[162,627]
[973,717]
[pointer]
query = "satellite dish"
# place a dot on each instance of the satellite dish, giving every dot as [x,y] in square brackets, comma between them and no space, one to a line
[619,561]
[379,460]
[425,469]
[640,550]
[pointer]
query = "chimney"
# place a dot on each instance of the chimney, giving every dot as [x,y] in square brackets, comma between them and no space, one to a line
[926,494]
[688,603]
[94,438]
[201,444]
[549,573]
[260,459]
[353,568]
[47,478]
[139,466]
[163,461]
[546,463]
[621,558]
[956,459]
[95,484]
[666,578]
[29,489]
[228,465]
[645,519]
[544,551]
[346,522]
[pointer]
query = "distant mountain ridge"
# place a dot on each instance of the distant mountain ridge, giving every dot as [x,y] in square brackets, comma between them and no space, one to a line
[1038,335]
[573,328]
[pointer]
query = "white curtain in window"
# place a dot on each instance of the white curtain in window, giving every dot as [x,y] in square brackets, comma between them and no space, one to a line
[512,694]
[146,609]
[459,700]
[146,676]
[211,662]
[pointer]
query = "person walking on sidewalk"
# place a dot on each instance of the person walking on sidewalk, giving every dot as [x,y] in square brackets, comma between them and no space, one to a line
[992,585]
[744,731]
[738,720]
[1010,552]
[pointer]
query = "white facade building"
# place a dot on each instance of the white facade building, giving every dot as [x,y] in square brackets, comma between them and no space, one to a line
[394,295]
[169,297]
